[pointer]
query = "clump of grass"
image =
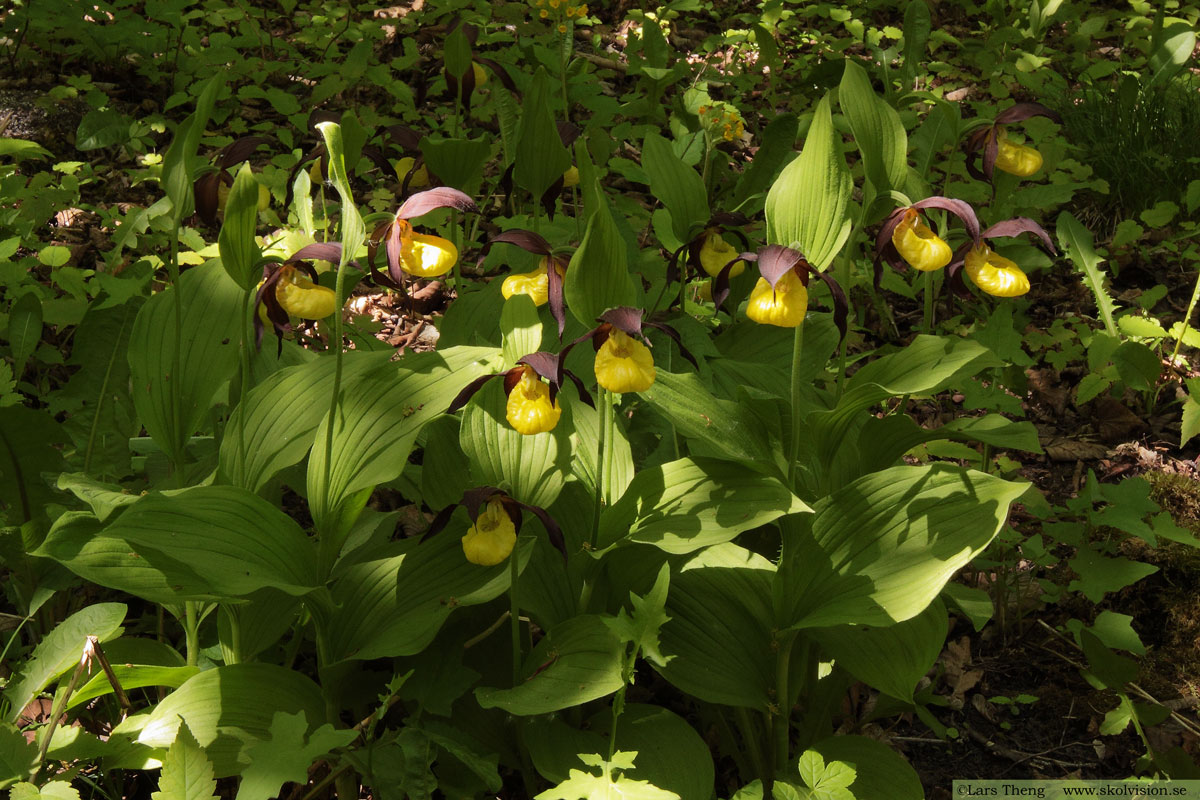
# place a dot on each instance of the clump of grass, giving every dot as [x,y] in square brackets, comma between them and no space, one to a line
[1142,140]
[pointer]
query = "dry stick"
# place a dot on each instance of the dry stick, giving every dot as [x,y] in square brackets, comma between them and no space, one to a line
[1184,722]
[102,660]
[60,702]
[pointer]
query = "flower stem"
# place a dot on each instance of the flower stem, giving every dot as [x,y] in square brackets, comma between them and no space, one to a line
[191,632]
[797,358]
[783,719]
[604,407]
[1187,317]
[927,316]
[514,618]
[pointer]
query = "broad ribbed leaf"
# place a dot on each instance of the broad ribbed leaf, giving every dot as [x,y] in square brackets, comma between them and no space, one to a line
[60,651]
[212,308]
[891,659]
[806,206]
[131,676]
[187,774]
[281,416]
[353,230]
[619,470]
[177,168]
[676,185]
[30,444]
[882,548]
[778,138]
[719,634]
[520,328]
[692,503]
[394,602]
[582,661]
[918,24]
[239,251]
[597,278]
[378,420]
[541,157]
[208,542]
[24,329]
[227,707]
[723,427]
[877,130]
[530,468]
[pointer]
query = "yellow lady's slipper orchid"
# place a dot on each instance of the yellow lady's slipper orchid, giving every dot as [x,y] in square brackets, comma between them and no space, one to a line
[784,306]
[300,297]
[1017,159]
[481,76]
[921,247]
[492,538]
[536,284]
[529,409]
[571,177]
[623,364]
[419,179]
[427,256]
[715,253]
[995,274]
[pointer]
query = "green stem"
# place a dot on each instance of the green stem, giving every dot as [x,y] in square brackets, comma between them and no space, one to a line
[752,743]
[845,278]
[797,358]
[514,618]
[927,315]
[191,632]
[783,718]
[604,407]
[1187,317]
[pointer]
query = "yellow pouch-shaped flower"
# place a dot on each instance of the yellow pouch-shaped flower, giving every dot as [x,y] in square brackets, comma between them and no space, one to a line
[995,274]
[419,179]
[492,538]
[715,253]
[481,76]
[918,245]
[1017,159]
[571,177]
[783,306]
[623,364]
[529,409]
[535,284]
[300,297]
[427,256]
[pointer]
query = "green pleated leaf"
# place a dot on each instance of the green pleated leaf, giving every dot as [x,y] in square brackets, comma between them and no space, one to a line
[280,418]
[670,754]
[597,278]
[530,468]
[520,328]
[676,185]
[177,174]
[445,471]
[577,661]
[719,636]
[353,230]
[24,329]
[187,774]
[692,503]
[778,139]
[877,130]
[879,770]
[806,206]
[208,542]
[228,707]
[619,472]
[212,307]
[97,398]
[131,676]
[722,427]
[882,548]
[541,157]
[458,163]
[378,420]
[394,602]
[30,443]
[60,651]
[239,251]
[891,659]
[918,25]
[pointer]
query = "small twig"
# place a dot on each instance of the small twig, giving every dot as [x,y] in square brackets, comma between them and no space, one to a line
[604,63]
[60,702]
[122,698]
[490,630]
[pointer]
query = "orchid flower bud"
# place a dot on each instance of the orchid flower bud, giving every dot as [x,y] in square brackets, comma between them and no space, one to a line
[995,274]
[784,305]
[623,364]
[490,540]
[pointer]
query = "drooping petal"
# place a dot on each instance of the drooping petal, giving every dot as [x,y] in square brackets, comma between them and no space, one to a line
[995,274]
[1017,159]
[784,305]
[623,364]
[491,539]
[530,409]
[427,256]
[921,247]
